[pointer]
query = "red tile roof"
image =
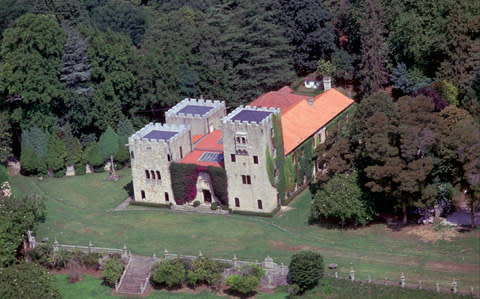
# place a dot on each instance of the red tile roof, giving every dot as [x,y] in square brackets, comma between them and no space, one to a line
[282,98]
[211,142]
[193,157]
[196,138]
[207,143]
[302,120]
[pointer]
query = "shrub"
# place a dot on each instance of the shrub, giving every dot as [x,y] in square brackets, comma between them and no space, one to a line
[59,173]
[42,254]
[242,284]
[3,174]
[63,257]
[170,273]
[205,270]
[214,206]
[91,260]
[196,203]
[306,268]
[80,169]
[113,271]
[253,270]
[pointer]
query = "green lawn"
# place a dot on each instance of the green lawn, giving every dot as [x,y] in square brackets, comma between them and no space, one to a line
[80,209]
[328,288]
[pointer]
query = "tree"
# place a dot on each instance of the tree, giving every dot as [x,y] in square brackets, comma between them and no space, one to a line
[341,200]
[205,270]
[372,73]
[92,156]
[343,63]
[31,54]
[326,68]
[108,146]
[5,137]
[306,269]
[310,31]
[69,142]
[34,140]
[27,281]
[170,273]
[464,145]
[56,153]
[17,216]
[255,63]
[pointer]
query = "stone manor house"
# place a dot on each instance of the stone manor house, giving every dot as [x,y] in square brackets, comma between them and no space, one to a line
[242,143]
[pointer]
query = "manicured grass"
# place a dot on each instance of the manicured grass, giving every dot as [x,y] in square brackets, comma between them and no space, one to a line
[80,209]
[92,288]
[334,288]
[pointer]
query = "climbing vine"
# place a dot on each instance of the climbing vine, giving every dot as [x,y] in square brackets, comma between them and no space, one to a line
[184,182]
[279,157]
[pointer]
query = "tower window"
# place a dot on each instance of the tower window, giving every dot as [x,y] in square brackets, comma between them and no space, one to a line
[234,159]
[167,199]
[147,174]
[132,156]
[143,194]
[260,205]
[237,202]
[158,175]
[255,159]
[153,174]
[246,180]
[181,153]
[169,157]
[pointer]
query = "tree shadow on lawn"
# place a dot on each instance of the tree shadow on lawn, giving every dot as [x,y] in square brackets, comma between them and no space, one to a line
[129,188]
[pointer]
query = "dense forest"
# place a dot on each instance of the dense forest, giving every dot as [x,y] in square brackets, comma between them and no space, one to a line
[77,77]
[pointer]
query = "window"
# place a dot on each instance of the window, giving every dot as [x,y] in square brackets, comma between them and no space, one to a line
[158,175]
[147,174]
[234,159]
[153,174]
[143,194]
[255,159]
[237,202]
[246,180]
[294,158]
[169,157]
[238,139]
[166,197]
[132,156]
[260,205]
[181,153]
[244,140]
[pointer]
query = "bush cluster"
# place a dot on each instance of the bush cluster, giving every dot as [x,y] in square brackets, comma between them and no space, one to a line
[173,273]
[43,255]
[113,270]
[247,281]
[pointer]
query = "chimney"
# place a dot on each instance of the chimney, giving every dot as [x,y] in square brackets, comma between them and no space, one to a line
[327,83]
[310,101]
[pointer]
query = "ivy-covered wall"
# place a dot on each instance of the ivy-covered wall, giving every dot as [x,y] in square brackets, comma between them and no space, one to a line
[184,182]
[279,159]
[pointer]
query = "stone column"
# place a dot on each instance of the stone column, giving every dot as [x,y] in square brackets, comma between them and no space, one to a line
[352,274]
[402,280]
[55,245]
[454,286]
[235,262]
[269,266]
[327,83]
[124,251]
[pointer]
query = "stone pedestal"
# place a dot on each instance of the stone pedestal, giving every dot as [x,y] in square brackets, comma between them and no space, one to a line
[70,171]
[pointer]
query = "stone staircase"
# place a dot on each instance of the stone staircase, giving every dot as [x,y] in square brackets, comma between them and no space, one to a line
[135,280]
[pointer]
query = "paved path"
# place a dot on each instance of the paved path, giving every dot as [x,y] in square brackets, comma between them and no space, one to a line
[137,272]
[124,204]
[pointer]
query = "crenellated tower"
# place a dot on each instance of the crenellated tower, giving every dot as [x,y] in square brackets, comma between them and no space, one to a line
[247,136]
[203,116]
[152,149]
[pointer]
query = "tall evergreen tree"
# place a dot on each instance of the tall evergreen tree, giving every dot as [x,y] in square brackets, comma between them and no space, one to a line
[56,153]
[374,49]
[310,31]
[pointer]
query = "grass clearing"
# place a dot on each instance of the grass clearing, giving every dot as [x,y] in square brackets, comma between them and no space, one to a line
[80,209]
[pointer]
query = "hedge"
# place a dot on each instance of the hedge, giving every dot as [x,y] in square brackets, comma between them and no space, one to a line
[258,214]
[150,204]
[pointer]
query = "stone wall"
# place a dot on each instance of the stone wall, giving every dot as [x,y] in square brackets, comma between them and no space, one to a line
[258,140]
[152,155]
[199,125]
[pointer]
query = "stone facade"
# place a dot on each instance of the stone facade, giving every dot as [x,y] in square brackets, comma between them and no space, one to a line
[245,147]
[200,124]
[151,158]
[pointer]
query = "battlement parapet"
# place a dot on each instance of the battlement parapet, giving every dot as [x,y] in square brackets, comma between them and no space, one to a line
[175,113]
[139,136]
[246,116]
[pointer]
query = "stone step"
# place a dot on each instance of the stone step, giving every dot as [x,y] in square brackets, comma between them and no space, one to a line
[136,274]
